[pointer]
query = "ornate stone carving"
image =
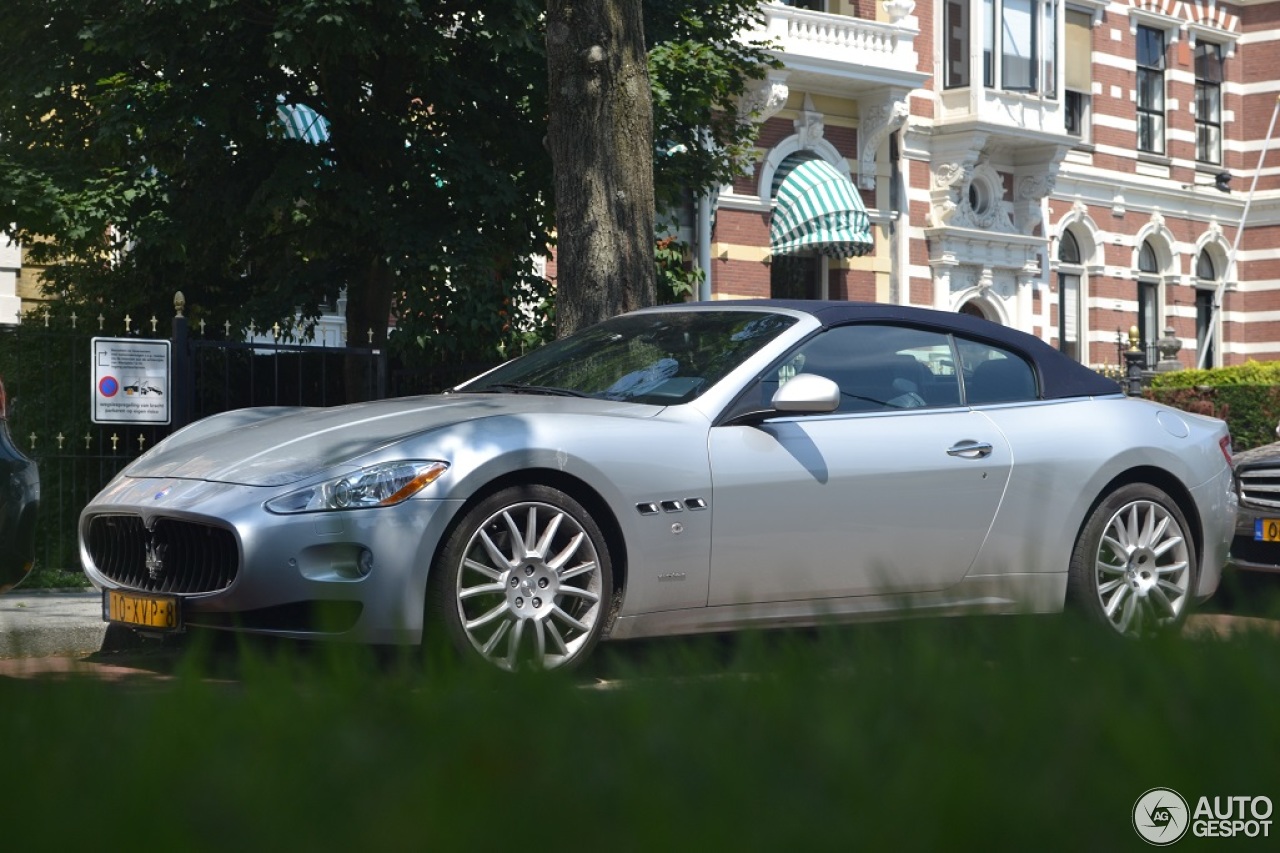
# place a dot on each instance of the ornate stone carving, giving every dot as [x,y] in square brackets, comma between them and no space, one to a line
[809,126]
[970,196]
[875,125]
[898,9]
[764,101]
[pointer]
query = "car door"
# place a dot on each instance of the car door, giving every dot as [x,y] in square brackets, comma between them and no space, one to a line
[892,493]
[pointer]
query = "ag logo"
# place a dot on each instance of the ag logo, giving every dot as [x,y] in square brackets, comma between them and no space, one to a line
[1161,816]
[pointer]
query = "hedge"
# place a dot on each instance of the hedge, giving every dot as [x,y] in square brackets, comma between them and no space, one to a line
[1246,396]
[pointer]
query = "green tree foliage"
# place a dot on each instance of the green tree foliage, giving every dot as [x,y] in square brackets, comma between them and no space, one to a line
[141,153]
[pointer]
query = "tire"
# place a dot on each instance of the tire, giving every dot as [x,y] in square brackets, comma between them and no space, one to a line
[524,581]
[1134,566]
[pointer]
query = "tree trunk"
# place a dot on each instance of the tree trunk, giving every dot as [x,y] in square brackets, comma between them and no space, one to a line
[600,134]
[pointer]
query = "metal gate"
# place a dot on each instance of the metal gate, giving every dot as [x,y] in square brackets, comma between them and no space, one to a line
[46,365]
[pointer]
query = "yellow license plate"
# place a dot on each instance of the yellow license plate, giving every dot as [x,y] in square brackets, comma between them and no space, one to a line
[1266,530]
[160,612]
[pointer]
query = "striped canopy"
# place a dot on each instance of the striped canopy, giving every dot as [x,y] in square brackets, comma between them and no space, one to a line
[301,122]
[818,209]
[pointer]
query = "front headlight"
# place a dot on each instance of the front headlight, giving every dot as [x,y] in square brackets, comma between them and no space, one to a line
[378,485]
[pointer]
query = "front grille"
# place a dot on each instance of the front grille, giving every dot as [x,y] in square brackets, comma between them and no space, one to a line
[174,556]
[1261,487]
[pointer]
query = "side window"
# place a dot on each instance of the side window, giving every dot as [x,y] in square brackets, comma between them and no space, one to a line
[878,367]
[994,375]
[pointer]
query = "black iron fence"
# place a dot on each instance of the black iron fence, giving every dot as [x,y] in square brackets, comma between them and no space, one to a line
[46,364]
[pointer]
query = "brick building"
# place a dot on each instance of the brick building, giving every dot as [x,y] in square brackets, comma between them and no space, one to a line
[1068,167]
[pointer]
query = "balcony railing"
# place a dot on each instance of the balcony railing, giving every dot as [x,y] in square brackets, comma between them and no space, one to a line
[840,39]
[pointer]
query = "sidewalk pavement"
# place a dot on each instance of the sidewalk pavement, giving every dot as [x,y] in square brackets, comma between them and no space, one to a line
[50,623]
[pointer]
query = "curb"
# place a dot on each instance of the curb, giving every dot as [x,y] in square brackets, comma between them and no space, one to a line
[48,623]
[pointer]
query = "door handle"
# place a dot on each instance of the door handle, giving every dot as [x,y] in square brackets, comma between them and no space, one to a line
[970,449]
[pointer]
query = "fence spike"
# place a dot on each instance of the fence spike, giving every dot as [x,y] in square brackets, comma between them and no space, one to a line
[154,321]
[102,322]
[128,321]
[142,442]
[46,319]
[226,328]
[88,440]
[61,439]
[371,337]
[202,328]
[115,442]
[275,331]
[73,319]
[33,441]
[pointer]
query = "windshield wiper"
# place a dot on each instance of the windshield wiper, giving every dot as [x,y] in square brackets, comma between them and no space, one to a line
[521,388]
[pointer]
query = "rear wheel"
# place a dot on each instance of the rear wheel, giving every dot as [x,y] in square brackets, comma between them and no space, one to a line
[524,581]
[1134,565]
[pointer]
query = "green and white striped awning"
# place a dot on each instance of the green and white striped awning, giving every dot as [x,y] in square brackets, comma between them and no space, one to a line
[301,122]
[818,209]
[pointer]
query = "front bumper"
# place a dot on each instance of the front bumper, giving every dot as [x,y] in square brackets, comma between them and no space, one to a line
[356,575]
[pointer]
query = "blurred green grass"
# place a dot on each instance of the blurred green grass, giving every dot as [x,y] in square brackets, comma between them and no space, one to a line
[986,733]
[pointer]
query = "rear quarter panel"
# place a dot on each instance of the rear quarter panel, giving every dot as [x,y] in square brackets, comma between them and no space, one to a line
[1067,453]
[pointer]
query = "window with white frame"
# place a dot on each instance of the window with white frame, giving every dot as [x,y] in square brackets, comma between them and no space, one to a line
[1150,107]
[955,24]
[1209,102]
[1206,292]
[1019,44]
[1069,271]
[1077,61]
[1148,299]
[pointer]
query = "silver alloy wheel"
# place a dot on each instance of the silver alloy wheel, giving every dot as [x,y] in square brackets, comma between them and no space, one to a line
[1142,569]
[529,587]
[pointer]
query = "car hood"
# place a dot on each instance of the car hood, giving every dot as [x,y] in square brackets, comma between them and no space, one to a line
[1266,456]
[278,446]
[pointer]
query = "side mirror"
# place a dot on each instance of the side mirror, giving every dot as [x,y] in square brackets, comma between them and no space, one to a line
[807,392]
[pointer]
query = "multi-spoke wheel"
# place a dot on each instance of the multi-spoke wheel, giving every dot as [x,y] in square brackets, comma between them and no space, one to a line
[524,580]
[1134,565]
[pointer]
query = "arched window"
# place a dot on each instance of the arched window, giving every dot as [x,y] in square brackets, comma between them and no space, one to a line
[1147,260]
[1069,295]
[1206,293]
[1069,249]
[1148,299]
[1204,267]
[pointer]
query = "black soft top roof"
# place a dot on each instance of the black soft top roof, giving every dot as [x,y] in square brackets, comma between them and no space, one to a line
[1060,376]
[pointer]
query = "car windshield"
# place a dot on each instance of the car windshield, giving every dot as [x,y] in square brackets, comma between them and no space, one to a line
[660,358]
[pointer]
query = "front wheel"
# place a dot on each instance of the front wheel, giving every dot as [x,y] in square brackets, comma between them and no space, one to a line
[1134,565]
[524,580]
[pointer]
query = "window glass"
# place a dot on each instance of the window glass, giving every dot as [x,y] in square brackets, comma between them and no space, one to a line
[1208,102]
[992,374]
[1204,267]
[1077,62]
[1204,327]
[1068,248]
[1069,297]
[1018,37]
[661,358]
[1150,109]
[878,367]
[1147,258]
[956,43]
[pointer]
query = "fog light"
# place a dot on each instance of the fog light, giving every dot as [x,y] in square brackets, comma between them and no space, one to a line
[364,564]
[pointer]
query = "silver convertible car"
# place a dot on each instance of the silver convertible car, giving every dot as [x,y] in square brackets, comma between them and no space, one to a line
[681,469]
